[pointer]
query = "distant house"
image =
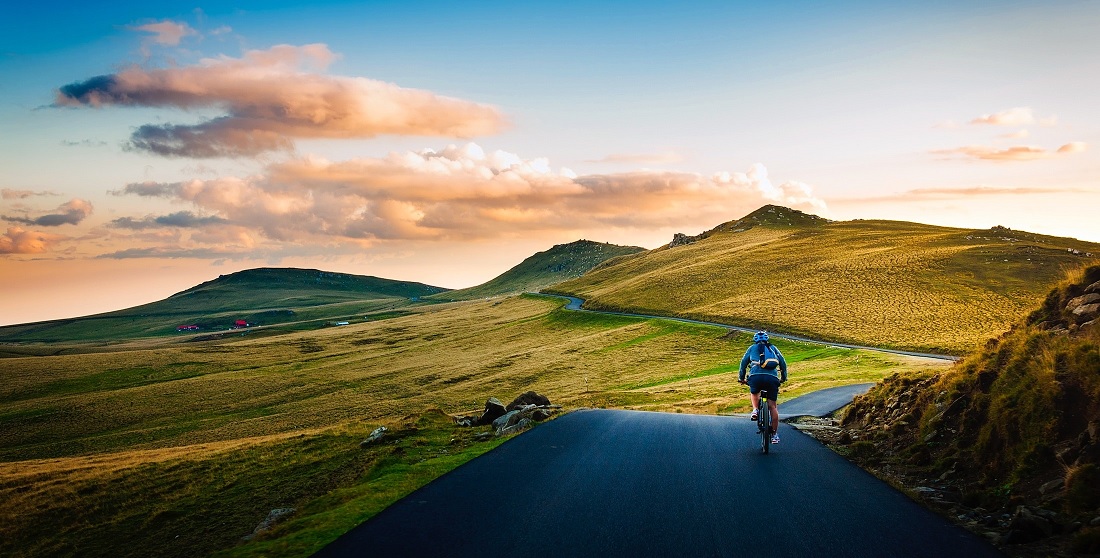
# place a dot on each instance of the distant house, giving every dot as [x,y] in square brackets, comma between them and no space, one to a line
[240,323]
[190,327]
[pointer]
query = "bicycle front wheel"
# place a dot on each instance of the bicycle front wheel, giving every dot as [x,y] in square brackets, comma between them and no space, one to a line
[765,426]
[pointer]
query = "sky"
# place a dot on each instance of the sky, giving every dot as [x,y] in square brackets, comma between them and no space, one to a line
[146,147]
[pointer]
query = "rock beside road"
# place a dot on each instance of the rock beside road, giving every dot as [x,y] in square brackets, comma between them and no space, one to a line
[523,412]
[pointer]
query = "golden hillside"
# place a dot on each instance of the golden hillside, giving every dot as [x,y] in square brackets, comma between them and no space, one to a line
[882,283]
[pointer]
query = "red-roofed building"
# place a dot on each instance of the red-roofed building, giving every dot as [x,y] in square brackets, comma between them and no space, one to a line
[240,323]
[190,327]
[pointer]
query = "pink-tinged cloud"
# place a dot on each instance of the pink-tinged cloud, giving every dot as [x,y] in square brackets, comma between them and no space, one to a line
[463,193]
[1019,134]
[1018,116]
[10,194]
[17,240]
[1009,154]
[272,97]
[69,213]
[167,32]
[1073,147]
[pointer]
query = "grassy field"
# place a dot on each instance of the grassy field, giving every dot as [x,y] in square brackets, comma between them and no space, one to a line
[560,263]
[878,283]
[287,297]
[199,441]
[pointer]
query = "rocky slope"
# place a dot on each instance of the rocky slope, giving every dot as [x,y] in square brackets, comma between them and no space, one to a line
[1007,442]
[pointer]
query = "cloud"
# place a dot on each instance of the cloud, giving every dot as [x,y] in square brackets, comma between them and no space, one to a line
[10,194]
[175,253]
[1015,153]
[147,190]
[271,97]
[180,219]
[1073,147]
[1018,116]
[83,143]
[167,32]
[640,158]
[70,213]
[17,240]
[466,193]
[1019,134]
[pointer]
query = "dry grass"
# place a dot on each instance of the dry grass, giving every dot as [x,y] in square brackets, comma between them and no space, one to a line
[251,424]
[876,283]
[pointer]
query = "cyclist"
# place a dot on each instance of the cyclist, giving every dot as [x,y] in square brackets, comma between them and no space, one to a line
[767,364]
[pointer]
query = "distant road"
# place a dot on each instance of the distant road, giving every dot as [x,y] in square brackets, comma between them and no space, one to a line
[576,303]
[636,484]
[821,402]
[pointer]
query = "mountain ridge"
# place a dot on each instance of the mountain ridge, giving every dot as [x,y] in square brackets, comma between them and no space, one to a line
[543,269]
[891,284]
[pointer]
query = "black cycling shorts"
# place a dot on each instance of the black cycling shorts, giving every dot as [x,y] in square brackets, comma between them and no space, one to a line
[765,382]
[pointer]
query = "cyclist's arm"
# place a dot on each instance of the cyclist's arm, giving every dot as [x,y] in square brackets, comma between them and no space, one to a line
[782,364]
[744,366]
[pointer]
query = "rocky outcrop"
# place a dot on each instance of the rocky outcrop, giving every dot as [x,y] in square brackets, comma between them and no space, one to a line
[494,409]
[681,239]
[523,412]
[528,398]
[375,436]
[273,518]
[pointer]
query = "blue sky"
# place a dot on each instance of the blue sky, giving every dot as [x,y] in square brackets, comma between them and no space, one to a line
[621,122]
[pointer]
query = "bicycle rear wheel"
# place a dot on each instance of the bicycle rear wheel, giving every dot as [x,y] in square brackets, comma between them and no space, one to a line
[765,423]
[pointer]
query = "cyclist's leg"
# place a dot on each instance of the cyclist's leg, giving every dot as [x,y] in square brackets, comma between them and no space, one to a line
[773,406]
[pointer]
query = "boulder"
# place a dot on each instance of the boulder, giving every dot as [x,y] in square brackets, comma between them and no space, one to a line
[494,409]
[528,398]
[1090,298]
[1055,485]
[1087,311]
[1093,288]
[505,420]
[375,436]
[1027,525]
[523,424]
[273,517]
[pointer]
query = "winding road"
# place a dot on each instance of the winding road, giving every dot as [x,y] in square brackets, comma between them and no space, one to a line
[638,484]
[577,303]
[613,483]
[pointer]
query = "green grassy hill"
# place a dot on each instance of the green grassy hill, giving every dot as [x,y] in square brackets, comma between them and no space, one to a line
[263,296]
[881,283]
[998,427]
[560,263]
[181,449]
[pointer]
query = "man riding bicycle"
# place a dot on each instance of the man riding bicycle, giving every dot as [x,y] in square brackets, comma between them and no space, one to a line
[764,374]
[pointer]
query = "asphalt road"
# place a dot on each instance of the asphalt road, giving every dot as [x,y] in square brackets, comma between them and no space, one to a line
[627,483]
[576,304]
[821,402]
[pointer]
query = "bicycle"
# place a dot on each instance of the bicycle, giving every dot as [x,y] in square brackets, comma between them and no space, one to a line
[764,421]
